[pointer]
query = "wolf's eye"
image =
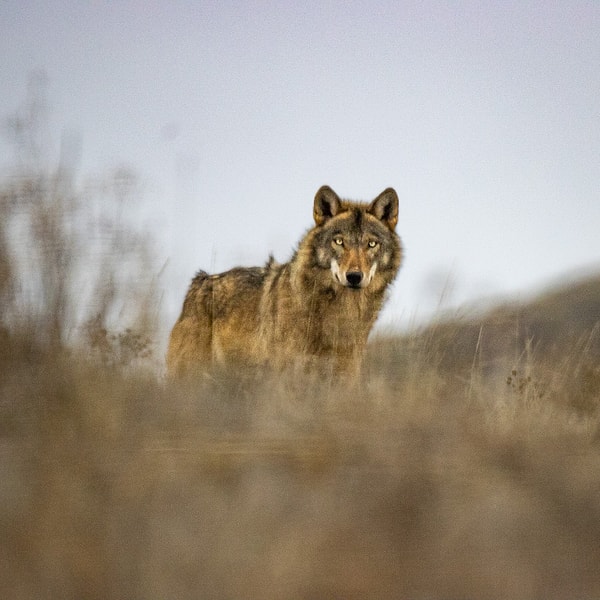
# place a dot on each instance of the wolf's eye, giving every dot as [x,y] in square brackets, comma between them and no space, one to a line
[372,244]
[338,241]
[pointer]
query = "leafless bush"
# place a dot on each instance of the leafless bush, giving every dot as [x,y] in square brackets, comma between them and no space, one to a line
[73,264]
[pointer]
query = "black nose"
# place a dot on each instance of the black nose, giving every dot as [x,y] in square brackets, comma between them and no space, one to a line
[354,278]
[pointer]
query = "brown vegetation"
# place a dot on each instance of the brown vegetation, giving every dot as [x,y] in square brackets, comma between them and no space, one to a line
[465,465]
[454,470]
[419,483]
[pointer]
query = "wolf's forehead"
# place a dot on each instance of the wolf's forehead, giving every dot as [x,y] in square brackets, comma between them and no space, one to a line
[355,221]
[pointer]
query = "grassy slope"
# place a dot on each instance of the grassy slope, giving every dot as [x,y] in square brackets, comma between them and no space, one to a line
[465,465]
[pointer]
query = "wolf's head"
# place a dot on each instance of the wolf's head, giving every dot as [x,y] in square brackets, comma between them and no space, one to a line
[357,241]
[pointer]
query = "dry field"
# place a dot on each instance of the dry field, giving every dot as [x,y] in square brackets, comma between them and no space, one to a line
[464,465]
[446,473]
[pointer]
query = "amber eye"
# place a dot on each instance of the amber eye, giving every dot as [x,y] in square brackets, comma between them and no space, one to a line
[372,244]
[338,241]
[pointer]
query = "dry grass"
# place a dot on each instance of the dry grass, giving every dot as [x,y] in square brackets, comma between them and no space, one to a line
[432,478]
[415,483]
[464,465]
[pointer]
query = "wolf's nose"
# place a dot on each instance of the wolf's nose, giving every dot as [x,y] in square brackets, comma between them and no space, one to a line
[354,278]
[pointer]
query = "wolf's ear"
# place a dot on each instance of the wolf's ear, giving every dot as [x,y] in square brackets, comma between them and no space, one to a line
[385,208]
[327,205]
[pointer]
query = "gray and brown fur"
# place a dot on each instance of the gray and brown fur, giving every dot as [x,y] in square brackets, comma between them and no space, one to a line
[318,308]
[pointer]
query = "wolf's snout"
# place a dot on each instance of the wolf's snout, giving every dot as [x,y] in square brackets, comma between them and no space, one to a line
[354,278]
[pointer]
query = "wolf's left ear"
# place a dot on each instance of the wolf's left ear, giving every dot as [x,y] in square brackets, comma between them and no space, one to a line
[327,205]
[385,207]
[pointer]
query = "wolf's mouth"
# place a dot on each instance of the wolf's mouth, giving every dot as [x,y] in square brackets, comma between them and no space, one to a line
[355,280]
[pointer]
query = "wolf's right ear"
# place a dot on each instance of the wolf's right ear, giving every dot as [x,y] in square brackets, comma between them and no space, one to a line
[327,205]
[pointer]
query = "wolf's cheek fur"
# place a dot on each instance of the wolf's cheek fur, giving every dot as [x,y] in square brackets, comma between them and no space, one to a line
[371,274]
[386,258]
[335,269]
[323,257]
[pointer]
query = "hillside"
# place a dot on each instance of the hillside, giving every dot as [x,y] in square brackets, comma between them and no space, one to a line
[560,318]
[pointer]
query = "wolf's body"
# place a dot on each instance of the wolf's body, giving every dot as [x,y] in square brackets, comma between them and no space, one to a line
[317,308]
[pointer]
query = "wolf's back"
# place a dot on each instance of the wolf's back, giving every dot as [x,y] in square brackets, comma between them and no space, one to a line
[195,285]
[219,319]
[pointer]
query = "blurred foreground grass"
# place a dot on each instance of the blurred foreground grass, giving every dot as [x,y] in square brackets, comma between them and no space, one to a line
[450,471]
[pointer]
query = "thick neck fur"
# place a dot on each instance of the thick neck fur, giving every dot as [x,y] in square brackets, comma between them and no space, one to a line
[326,315]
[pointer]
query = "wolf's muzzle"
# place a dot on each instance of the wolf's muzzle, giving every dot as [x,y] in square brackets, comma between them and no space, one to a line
[354,278]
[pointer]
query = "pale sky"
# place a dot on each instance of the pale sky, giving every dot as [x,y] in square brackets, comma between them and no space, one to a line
[484,116]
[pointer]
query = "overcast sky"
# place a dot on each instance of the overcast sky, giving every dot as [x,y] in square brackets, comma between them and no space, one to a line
[484,116]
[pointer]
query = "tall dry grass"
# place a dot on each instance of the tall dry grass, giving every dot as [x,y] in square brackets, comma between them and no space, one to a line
[414,483]
[464,464]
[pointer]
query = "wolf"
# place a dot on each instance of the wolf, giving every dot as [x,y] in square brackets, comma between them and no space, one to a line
[315,310]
